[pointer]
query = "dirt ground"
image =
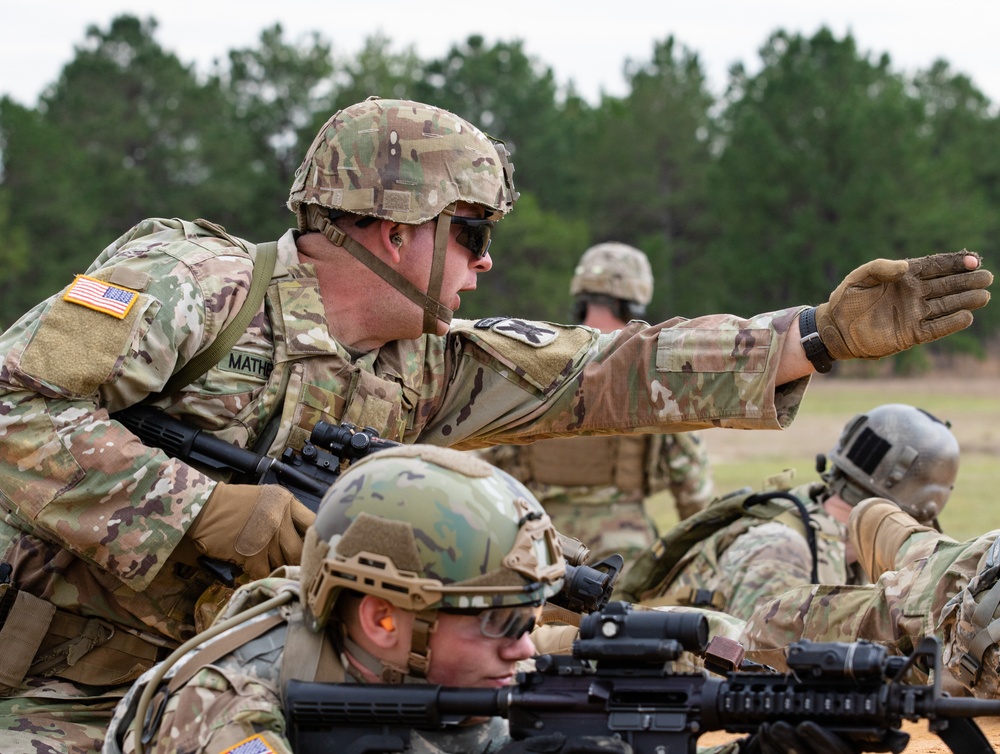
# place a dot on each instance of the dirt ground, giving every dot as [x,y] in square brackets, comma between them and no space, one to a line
[921,741]
[975,422]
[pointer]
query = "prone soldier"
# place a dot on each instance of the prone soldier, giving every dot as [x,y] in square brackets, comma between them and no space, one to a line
[424,566]
[924,583]
[766,544]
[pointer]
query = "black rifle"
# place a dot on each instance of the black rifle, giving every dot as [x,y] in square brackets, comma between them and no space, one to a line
[308,474]
[617,684]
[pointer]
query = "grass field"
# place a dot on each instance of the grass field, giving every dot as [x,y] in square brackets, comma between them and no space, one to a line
[972,405]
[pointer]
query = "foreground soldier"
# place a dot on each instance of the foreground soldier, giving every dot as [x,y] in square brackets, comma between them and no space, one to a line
[596,489]
[897,451]
[425,565]
[929,585]
[394,203]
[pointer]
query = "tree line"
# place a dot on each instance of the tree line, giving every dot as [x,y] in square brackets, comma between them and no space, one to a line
[763,196]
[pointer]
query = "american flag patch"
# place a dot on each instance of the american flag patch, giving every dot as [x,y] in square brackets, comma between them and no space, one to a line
[101,296]
[252,745]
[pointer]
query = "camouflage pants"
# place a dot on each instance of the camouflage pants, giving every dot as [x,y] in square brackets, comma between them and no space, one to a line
[928,595]
[55,717]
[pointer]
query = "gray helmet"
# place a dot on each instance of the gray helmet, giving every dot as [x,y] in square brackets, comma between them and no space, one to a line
[898,452]
[615,270]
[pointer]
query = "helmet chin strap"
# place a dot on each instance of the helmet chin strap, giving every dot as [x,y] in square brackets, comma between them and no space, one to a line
[434,310]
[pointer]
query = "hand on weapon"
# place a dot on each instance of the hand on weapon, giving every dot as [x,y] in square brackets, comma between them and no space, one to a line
[259,528]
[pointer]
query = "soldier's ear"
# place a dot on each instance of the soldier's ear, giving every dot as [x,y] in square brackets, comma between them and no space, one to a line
[393,238]
[380,622]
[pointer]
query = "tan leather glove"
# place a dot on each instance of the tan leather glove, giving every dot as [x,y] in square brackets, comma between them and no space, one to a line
[879,528]
[889,305]
[257,527]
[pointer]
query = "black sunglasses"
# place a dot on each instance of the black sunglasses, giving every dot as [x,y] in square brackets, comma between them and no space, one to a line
[475,235]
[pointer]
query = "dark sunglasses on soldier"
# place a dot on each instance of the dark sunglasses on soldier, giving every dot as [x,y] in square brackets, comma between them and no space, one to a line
[475,234]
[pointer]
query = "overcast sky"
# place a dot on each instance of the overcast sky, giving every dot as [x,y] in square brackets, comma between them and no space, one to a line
[584,41]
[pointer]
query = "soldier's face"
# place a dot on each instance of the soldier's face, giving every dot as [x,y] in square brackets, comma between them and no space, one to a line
[462,656]
[461,267]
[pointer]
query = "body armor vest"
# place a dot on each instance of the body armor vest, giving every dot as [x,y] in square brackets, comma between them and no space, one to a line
[606,461]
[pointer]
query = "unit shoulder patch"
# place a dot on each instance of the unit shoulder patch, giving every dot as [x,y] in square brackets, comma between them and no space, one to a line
[535,334]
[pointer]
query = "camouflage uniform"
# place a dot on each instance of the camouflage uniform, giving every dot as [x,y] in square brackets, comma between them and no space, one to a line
[935,590]
[236,698]
[416,528]
[94,521]
[743,565]
[609,511]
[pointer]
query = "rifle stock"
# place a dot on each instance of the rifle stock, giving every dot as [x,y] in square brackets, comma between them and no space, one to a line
[616,684]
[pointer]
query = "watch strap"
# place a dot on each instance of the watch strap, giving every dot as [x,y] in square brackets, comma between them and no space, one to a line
[812,343]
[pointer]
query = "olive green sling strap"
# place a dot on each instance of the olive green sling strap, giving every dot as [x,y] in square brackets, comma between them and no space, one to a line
[263,267]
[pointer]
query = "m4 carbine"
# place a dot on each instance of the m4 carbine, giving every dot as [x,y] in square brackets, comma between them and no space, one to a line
[618,684]
[308,474]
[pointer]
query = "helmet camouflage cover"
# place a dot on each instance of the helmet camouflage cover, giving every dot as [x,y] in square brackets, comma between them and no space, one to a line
[898,452]
[616,270]
[427,527]
[402,161]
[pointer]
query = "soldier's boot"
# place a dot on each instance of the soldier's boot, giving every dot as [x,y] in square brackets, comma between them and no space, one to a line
[879,529]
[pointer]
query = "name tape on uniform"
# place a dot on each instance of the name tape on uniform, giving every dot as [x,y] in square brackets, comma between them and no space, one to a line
[100,296]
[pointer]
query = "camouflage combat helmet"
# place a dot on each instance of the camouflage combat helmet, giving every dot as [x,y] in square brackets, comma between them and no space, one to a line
[429,528]
[898,452]
[406,162]
[615,270]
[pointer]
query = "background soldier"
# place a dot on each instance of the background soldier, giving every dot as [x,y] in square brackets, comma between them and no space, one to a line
[395,203]
[894,451]
[597,489]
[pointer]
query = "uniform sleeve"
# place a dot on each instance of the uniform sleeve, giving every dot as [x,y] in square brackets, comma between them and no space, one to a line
[219,711]
[69,473]
[934,594]
[512,380]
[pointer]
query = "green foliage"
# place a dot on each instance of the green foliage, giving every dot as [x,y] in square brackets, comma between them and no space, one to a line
[650,156]
[819,171]
[511,96]
[534,252]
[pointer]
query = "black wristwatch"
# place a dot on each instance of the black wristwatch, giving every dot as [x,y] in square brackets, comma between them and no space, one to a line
[815,350]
